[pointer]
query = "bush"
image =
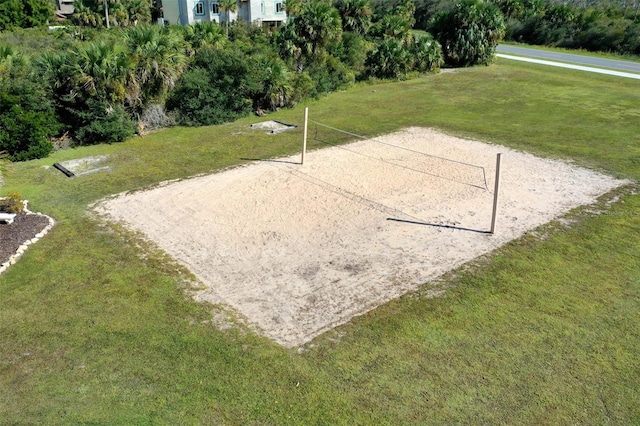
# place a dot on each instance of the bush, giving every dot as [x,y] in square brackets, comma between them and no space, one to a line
[352,51]
[389,59]
[102,123]
[303,87]
[605,35]
[27,121]
[24,13]
[154,117]
[469,33]
[219,88]
[201,102]
[13,203]
[426,53]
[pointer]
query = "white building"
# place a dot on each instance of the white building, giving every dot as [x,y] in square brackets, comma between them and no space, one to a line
[261,12]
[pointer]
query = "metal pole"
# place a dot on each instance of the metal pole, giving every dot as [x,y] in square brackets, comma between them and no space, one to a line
[304,137]
[495,194]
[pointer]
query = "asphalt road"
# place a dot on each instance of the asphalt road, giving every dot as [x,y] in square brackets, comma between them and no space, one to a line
[613,64]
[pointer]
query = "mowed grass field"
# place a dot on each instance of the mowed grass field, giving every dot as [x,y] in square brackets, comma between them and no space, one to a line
[96,326]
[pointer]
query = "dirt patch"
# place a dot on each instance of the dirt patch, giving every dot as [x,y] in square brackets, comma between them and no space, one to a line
[299,249]
[86,164]
[272,126]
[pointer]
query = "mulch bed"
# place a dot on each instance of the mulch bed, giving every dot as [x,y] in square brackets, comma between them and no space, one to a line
[24,227]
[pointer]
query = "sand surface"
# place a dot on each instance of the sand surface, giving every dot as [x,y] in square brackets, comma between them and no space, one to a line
[299,249]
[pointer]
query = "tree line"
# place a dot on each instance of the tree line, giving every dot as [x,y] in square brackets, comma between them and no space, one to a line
[595,25]
[89,84]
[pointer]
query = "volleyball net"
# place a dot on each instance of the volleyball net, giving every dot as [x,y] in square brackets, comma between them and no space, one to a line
[406,167]
[399,156]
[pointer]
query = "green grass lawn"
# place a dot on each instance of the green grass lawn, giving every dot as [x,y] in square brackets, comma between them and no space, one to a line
[96,327]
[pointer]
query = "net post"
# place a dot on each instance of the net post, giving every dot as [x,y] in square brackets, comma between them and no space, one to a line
[304,137]
[495,195]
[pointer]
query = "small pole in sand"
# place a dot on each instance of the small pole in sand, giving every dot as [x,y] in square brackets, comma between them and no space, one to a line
[304,137]
[495,195]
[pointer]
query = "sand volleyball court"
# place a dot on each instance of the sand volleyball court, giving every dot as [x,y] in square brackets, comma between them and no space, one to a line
[298,249]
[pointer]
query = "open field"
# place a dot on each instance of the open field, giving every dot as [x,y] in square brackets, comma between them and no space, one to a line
[95,326]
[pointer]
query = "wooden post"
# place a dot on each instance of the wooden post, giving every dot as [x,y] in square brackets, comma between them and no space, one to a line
[304,137]
[495,195]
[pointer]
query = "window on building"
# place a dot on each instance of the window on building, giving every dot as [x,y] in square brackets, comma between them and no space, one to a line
[263,7]
[279,7]
[215,8]
[200,8]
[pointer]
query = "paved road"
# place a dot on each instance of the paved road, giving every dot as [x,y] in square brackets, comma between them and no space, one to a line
[568,57]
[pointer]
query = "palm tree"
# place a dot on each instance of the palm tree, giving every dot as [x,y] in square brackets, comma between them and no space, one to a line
[318,24]
[393,26]
[356,15]
[426,53]
[389,59]
[277,88]
[12,62]
[104,70]
[469,33]
[204,34]
[228,6]
[293,8]
[53,67]
[139,12]
[83,15]
[159,61]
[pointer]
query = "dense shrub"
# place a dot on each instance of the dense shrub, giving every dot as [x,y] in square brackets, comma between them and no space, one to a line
[352,51]
[389,59]
[605,34]
[155,117]
[27,120]
[330,75]
[303,87]
[426,54]
[276,90]
[469,33]
[101,122]
[24,13]
[220,87]
[606,27]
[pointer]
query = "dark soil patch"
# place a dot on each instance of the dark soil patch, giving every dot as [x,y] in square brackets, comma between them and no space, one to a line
[24,227]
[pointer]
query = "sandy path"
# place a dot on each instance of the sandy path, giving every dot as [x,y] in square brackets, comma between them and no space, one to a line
[300,249]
